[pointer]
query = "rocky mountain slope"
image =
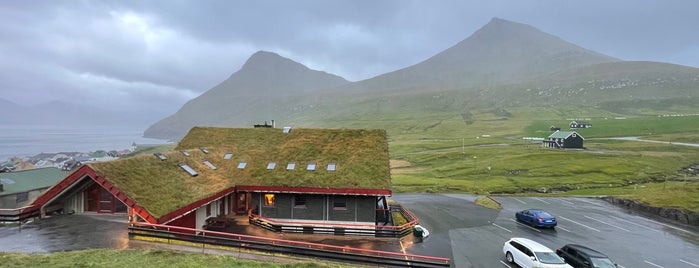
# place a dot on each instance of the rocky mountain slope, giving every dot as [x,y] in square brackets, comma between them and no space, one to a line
[503,64]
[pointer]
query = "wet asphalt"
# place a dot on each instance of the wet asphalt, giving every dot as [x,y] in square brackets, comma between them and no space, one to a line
[468,234]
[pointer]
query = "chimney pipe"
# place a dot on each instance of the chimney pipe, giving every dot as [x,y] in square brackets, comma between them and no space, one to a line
[273,126]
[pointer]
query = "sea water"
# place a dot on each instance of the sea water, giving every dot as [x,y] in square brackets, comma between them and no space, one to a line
[30,140]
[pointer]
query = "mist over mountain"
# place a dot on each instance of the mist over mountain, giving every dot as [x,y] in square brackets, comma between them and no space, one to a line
[503,64]
[248,96]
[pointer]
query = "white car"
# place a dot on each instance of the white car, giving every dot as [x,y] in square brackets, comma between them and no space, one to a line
[529,254]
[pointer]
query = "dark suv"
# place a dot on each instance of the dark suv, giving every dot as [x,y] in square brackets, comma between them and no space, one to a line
[583,257]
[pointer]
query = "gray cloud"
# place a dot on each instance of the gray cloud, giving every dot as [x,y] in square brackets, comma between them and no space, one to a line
[159,54]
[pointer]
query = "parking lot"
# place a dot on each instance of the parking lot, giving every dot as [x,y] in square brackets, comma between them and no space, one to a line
[472,237]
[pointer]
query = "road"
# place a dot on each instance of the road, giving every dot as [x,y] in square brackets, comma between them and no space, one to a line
[473,238]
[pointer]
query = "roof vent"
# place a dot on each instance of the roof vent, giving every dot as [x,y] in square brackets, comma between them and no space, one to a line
[286,129]
[203,149]
[188,169]
[185,153]
[160,156]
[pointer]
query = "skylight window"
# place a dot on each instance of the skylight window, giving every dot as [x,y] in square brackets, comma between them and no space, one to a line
[188,169]
[271,165]
[228,156]
[311,166]
[203,149]
[332,166]
[7,181]
[160,156]
[208,164]
[242,164]
[291,166]
[185,153]
[286,129]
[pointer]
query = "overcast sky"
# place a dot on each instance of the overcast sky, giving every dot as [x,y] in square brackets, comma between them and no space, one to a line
[159,54]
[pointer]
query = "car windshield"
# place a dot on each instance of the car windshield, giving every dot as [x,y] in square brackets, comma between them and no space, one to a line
[548,257]
[602,263]
[545,215]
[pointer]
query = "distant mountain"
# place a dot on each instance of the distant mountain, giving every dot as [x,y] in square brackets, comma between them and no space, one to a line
[248,96]
[501,52]
[504,64]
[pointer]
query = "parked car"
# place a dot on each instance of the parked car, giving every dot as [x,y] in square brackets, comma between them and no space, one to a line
[536,217]
[528,253]
[583,257]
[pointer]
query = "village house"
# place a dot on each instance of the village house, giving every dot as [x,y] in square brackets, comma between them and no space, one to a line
[290,178]
[580,124]
[564,139]
[20,188]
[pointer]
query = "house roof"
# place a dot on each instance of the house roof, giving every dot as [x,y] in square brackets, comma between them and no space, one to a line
[581,122]
[27,180]
[162,186]
[564,134]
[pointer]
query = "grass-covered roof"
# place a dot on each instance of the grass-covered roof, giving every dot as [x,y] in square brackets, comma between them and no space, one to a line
[360,155]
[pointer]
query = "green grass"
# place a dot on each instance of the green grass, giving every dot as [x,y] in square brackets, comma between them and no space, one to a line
[676,194]
[138,258]
[486,201]
[441,159]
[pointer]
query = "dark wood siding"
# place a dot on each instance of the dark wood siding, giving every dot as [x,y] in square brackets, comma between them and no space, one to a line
[573,142]
[314,209]
[318,207]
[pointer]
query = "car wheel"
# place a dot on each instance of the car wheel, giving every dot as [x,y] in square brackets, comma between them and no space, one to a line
[509,258]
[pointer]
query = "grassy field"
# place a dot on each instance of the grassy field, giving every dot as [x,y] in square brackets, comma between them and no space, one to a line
[442,153]
[139,258]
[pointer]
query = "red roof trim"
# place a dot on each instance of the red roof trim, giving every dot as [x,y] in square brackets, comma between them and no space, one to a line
[66,182]
[82,172]
[195,205]
[313,190]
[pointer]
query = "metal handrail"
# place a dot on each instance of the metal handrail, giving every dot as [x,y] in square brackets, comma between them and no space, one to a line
[305,248]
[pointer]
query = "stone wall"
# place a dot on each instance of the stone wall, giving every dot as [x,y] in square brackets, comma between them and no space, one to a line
[679,215]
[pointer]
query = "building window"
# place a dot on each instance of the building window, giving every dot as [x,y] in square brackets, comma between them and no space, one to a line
[331,166]
[271,165]
[269,200]
[300,201]
[21,197]
[242,165]
[291,166]
[208,210]
[311,166]
[339,203]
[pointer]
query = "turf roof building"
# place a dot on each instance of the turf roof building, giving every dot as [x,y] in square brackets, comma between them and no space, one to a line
[313,176]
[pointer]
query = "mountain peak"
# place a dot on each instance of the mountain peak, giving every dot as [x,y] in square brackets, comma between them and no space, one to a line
[268,61]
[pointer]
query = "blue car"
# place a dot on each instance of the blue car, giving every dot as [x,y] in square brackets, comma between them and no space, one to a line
[536,217]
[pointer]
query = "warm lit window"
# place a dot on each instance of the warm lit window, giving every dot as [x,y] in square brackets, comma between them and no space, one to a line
[269,199]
